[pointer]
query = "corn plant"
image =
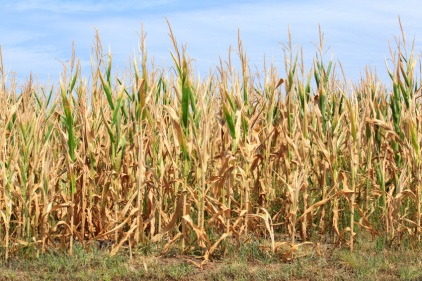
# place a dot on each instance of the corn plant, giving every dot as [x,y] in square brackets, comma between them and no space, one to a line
[163,156]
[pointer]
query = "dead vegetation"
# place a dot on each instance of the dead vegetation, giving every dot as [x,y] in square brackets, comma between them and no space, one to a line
[159,156]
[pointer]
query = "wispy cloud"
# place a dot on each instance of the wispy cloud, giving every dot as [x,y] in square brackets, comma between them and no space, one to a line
[23,61]
[35,33]
[83,6]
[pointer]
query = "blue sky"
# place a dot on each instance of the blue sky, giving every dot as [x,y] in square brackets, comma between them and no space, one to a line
[36,35]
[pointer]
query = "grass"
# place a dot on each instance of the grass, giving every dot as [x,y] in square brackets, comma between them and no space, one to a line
[247,263]
[82,265]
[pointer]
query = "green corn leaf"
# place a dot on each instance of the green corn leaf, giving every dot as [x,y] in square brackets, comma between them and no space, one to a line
[120,153]
[192,99]
[352,120]
[110,132]
[68,119]
[72,84]
[327,74]
[322,107]
[108,72]
[229,120]
[38,100]
[117,106]
[414,137]
[179,71]
[185,104]
[131,97]
[108,92]
[317,77]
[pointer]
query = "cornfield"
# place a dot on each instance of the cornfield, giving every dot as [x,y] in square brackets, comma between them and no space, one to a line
[161,156]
